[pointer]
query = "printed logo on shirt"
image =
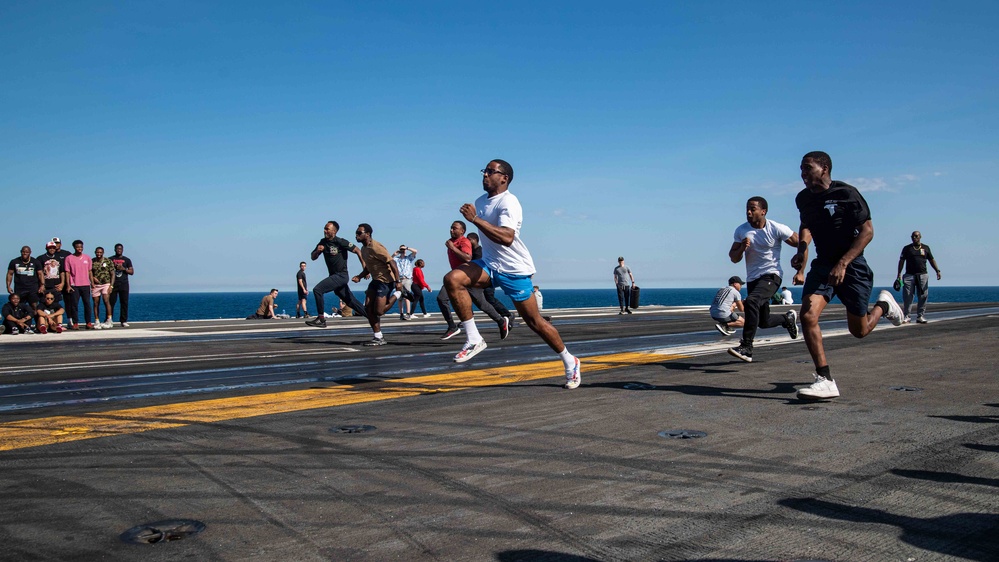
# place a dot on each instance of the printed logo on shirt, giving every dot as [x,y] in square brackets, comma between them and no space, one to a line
[831,207]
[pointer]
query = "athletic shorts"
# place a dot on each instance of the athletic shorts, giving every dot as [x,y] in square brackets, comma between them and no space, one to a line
[518,287]
[378,289]
[98,290]
[731,318]
[854,292]
[30,297]
[302,295]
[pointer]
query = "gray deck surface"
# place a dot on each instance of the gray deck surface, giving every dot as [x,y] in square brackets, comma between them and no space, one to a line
[521,470]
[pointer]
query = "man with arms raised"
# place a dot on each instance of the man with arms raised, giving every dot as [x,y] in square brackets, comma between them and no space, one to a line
[836,215]
[334,250]
[759,239]
[506,263]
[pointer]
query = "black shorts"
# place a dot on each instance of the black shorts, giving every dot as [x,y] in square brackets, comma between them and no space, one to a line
[302,295]
[854,292]
[30,297]
[378,289]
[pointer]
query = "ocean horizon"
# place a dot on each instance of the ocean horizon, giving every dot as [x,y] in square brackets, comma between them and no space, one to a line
[151,307]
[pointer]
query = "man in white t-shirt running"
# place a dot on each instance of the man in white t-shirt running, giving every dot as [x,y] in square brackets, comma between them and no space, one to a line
[760,239]
[506,263]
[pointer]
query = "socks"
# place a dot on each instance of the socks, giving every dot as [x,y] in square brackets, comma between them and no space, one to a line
[823,372]
[567,359]
[471,331]
[378,335]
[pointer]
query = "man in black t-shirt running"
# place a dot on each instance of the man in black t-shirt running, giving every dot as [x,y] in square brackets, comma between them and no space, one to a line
[836,216]
[334,250]
[914,256]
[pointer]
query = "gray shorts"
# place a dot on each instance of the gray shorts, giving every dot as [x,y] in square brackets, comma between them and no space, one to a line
[732,318]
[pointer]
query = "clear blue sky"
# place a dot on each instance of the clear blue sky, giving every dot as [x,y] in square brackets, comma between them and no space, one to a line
[214,139]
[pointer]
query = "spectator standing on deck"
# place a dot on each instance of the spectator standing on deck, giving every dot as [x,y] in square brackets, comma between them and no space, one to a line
[302,285]
[506,263]
[914,257]
[420,285]
[625,282]
[404,263]
[760,240]
[78,266]
[23,272]
[102,269]
[836,215]
[119,287]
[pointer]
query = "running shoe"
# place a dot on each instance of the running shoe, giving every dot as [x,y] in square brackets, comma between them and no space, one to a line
[627,311]
[374,342]
[108,324]
[451,332]
[43,329]
[791,323]
[58,328]
[74,326]
[318,322]
[469,350]
[97,326]
[124,324]
[723,329]
[821,389]
[742,352]
[906,320]
[504,327]
[426,315]
[14,331]
[90,326]
[572,377]
[894,314]
[921,320]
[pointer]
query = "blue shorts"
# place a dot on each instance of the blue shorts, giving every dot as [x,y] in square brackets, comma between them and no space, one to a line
[855,290]
[518,287]
[379,289]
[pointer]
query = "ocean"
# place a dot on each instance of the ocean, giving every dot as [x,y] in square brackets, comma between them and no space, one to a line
[206,306]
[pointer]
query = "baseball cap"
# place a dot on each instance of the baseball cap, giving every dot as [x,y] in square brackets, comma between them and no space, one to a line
[735,279]
[55,240]
[50,245]
[620,258]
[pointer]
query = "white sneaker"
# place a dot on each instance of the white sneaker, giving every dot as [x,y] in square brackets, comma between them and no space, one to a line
[426,315]
[124,324]
[921,320]
[469,350]
[98,326]
[894,314]
[572,377]
[107,325]
[906,320]
[821,389]
[723,329]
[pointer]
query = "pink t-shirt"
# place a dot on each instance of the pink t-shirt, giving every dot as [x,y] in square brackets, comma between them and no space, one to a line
[78,269]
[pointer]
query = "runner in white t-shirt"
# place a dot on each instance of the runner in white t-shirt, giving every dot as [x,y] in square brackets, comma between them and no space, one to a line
[506,263]
[760,240]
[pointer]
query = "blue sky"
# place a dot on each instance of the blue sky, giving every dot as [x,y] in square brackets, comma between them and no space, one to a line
[214,139]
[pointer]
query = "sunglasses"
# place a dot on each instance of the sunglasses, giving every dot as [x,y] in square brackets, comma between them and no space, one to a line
[487,172]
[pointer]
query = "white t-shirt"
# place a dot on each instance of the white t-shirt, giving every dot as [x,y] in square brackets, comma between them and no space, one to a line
[763,255]
[504,210]
[787,297]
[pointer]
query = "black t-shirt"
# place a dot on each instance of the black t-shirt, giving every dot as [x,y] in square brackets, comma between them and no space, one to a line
[834,217]
[120,280]
[25,275]
[335,254]
[20,312]
[52,268]
[477,253]
[915,259]
[301,275]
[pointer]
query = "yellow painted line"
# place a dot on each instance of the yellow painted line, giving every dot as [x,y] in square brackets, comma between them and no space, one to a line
[62,429]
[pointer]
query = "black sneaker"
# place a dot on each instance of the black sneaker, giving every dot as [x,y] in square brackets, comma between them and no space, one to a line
[374,342]
[742,352]
[504,328]
[627,311]
[791,323]
[451,332]
[318,322]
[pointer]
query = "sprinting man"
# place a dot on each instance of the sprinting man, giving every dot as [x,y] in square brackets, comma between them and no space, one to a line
[506,263]
[760,239]
[914,257]
[723,308]
[489,293]
[385,287]
[334,250]
[836,215]
[461,250]
[302,285]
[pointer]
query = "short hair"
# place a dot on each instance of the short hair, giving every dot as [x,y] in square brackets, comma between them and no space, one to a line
[462,223]
[75,242]
[760,200]
[335,224]
[274,290]
[821,158]
[420,263]
[47,293]
[101,248]
[10,297]
[119,244]
[23,248]
[365,227]
[506,167]
[536,288]
[301,263]
[473,236]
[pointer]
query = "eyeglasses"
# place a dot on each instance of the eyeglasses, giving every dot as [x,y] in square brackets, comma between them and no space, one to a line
[487,172]
[358,232]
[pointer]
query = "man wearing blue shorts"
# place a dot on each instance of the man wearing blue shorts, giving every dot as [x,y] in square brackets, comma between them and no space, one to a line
[506,263]
[836,216]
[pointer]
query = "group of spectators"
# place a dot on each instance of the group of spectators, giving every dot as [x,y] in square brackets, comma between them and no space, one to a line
[45,292]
